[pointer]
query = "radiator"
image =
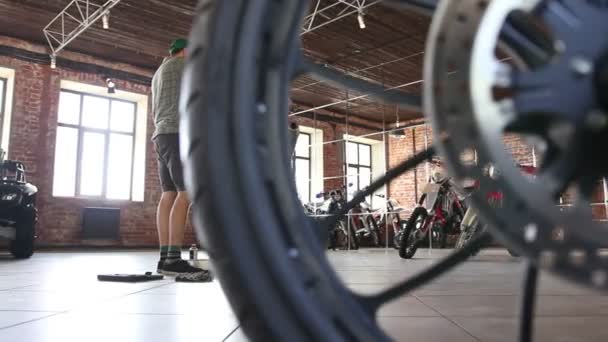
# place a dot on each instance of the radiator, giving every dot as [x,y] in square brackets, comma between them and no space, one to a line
[101,223]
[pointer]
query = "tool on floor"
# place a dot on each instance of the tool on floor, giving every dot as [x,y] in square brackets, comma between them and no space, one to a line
[129,278]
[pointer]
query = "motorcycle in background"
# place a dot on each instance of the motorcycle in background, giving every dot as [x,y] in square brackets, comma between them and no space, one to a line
[342,234]
[362,219]
[471,227]
[439,212]
[389,221]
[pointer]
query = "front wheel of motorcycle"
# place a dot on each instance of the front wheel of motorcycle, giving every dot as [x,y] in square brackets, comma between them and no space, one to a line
[467,235]
[374,235]
[409,238]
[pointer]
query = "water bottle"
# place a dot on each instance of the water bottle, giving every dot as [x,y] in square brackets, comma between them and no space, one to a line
[193,252]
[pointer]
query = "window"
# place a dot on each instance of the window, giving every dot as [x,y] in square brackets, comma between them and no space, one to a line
[95,146]
[3,86]
[302,166]
[7,89]
[358,167]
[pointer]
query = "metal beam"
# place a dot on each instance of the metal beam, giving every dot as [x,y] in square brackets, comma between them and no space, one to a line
[73,20]
[353,98]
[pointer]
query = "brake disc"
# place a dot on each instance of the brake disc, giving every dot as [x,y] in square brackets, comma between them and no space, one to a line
[477,90]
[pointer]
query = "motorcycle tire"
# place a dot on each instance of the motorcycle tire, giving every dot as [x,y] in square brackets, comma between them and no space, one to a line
[407,251]
[375,237]
[397,238]
[468,235]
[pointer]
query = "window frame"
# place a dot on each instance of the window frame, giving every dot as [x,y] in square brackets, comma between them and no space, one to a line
[107,133]
[3,103]
[295,157]
[358,166]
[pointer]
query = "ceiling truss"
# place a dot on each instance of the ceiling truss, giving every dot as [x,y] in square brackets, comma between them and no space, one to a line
[73,20]
[326,14]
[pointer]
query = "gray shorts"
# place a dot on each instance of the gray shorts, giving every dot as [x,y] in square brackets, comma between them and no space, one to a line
[169,162]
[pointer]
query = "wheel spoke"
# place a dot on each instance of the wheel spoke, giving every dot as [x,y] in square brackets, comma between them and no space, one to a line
[526,324]
[526,41]
[422,6]
[408,101]
[378,183]
[562,17]
[373,303]
[299,68]
[558,175]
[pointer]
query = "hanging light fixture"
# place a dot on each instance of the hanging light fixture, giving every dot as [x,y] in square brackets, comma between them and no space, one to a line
[53,62]
[361,19]
[111,86]
[398,132]
[105,19]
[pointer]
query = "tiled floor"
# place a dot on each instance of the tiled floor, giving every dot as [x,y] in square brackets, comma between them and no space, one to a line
[56,297]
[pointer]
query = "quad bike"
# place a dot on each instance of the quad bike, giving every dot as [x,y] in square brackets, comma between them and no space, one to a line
[439,212]
[18,213]
[534,68]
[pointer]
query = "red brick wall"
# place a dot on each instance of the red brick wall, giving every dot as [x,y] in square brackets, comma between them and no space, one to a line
[32,141]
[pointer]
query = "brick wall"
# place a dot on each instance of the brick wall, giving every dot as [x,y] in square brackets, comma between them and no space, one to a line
[32,141]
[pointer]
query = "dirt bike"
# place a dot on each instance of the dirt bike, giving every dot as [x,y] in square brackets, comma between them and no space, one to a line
[389,221]
[472,227]
[439,211]
[362,219]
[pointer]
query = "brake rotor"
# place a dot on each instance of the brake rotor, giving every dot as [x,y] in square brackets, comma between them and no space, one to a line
[474,98]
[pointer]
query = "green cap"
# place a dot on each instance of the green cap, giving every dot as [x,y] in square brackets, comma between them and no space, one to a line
[177,45]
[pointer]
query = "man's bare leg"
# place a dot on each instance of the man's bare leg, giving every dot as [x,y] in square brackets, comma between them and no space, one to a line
[177,225]
[163,214]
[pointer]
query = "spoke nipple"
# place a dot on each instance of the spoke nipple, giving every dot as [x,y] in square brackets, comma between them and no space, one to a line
[531,231]
[559,46]
[599,278]
[582,66]
[262,108]
[596,120]
[293,253]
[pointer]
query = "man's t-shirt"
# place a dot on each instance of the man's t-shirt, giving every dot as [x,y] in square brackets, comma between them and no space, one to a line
[166,85]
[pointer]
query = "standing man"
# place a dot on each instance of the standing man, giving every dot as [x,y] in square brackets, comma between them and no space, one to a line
[174,203]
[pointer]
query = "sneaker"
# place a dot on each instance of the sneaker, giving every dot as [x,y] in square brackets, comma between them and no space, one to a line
[159,267]
[179,267]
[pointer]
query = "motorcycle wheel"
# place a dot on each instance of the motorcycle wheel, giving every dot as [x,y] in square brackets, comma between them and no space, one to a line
[465,236]
[352,240]
[374,231]
[409,244]
[397,238]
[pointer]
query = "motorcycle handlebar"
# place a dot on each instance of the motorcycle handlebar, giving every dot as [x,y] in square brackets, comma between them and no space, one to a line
[327,193]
